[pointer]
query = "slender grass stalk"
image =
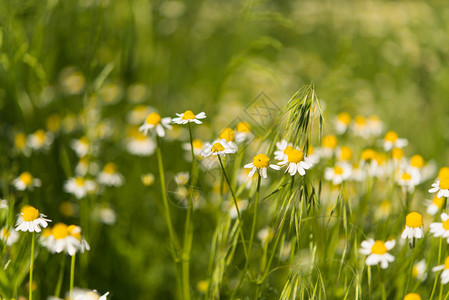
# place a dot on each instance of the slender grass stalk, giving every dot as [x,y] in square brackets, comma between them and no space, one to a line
[72,275]
[253,227]
[436,277]
[382,284]
[410,273]
[31,266]
[171,232]
[236,206]
[60,277]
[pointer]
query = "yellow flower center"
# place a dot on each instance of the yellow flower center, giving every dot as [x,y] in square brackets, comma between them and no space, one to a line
[345,153]
[80,181]
[46,232]
[110,168]
[446,263]
[74,231]
[344,117]
[29,213]
[412,296]
[310,150]
[20,140]
[374,118]
[227,134]
[330,141]
[188,115]
[406,176]
[368,154]
[446,225]
[360,120]
[153,119]
[59,231]
[84,140]
[443,173]
[217,147]
[417,161]
[379,248]
[391,136]
[338,170]
[381,158]
[91,296]
[438,201]
[397,153]
[444,183]
[261,161]
[243,127]
[197,144]
[26,178]
[295,156]
[414,219]
[288,149]
[40,135]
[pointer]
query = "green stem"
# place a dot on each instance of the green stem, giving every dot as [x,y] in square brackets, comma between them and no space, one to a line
[436,277]
[253,228]
[382,282]
[236,206]
[60,277]
[72,274]
[173,239]
[31,267]
[412,262]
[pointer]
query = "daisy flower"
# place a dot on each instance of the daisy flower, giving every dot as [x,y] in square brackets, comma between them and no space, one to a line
[341,172]
[243,132]
[20,143]
[260,163]
[360,127]
[110,175]
[441,186]
[80,146]
[413,226]
[40,140]
[416,162]
[188,117]
[83,294]
[397,155]
[229,136]
[443,173]
[182,178]
[147,179]
[312,155]
[434,206]
[392,140]
[375,125]
[197,148]
[296,162]
[328,146]
[155,122]
[408,179]
[218,147]
[412,296]
[46,239]
[441,229]
[419,270]
[85,166]
[25,181]
[344,154]
[283,148]
[377,252]
[31,220]
[79,186]
[61,240]
[105,215]
[445,273]
[342,122]
[9,236]
[139,144]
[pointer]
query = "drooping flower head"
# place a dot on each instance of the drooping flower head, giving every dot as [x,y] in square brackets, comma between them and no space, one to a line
[413,226]
[31,220]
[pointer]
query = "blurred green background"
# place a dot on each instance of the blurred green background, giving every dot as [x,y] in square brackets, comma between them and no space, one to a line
[387,58]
